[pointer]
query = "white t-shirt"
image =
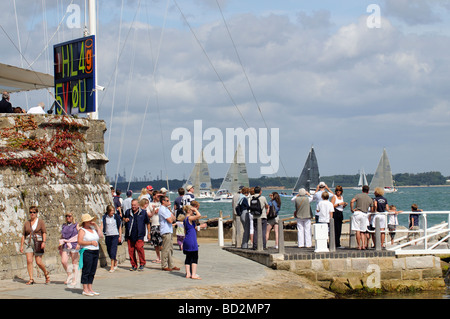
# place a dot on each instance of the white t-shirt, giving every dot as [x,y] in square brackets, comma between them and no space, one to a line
[36,110]
[88,236]
[324,208]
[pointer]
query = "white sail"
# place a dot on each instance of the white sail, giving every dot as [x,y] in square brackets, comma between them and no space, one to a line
[200,178]
[383,175]
[236,176]
[362,178]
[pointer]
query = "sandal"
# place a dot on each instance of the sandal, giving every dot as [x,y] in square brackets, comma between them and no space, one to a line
[47,277]
[30,282]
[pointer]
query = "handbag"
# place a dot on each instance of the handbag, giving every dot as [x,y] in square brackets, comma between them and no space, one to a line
[37,244]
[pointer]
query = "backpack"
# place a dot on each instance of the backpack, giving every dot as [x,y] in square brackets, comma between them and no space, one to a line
[238,208]
[117,203]
[255,206]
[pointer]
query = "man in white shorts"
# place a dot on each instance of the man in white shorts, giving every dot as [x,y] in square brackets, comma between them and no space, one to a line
[360,206]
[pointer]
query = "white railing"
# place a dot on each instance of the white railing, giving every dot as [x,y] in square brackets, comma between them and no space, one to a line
[432,240]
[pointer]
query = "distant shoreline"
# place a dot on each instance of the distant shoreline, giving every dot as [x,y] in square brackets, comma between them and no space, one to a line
[347,187]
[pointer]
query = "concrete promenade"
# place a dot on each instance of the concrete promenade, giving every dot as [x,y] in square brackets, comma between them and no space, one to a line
[216,267]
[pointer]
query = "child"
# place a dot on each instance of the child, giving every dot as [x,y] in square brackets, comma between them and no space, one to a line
[190,245]
[392,221]
[180,230]
[414,222]
[325,209]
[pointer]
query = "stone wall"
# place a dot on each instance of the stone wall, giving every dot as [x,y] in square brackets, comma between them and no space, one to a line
[386,273]
[77,184]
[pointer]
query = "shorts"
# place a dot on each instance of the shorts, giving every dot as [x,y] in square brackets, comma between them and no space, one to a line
[273,221]
[29,248]
[360,221]
[155,236]
[414,233]
[381,218]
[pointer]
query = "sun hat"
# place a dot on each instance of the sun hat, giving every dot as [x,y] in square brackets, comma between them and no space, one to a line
[86,218]
[302,192]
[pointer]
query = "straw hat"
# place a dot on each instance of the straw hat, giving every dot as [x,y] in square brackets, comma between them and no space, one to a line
[86,218]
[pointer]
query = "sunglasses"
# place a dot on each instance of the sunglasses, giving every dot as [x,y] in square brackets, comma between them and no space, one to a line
[33,212]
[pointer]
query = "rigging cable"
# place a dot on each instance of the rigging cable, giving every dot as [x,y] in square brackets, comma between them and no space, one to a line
[51,38]
[155,63]
[248,81]
[127,102]
[115,81]
[20,47]
[217,73]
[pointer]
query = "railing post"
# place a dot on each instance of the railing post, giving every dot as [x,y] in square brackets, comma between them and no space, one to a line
[220,230]
[259,233]
[425,232]
[238,227]
[377,234]
[281,237]
[352,235]
[332,238]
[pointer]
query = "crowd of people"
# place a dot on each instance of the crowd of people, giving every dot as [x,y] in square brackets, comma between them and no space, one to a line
[249,206]
[152,218]
[148,218]
[6,106]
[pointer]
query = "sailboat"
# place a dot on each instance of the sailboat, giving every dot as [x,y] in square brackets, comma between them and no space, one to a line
[236,176]
[200,179]
[362,180]
[383,175]
[310,177]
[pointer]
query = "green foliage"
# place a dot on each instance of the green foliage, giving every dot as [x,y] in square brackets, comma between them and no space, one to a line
[402,179]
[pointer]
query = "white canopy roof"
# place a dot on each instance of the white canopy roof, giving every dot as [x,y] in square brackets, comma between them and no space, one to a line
[15,79]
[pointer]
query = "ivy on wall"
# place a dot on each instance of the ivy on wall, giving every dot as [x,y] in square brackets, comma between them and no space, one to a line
[55,151]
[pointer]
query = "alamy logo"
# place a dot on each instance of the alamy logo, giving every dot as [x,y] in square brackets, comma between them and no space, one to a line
[252,139]
[374,20]
[74,19]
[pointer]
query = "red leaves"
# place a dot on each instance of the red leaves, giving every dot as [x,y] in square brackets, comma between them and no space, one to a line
[54,152]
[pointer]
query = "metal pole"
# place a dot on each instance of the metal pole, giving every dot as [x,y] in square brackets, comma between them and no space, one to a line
[332,238]
[377,234]
[281,237]
[220,231]
[238,227]
[259,234]
[93,31]
[425,233]
[352,235]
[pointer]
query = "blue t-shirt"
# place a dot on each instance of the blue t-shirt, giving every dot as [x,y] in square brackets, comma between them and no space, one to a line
[381,203]
[416,219]
[164,226]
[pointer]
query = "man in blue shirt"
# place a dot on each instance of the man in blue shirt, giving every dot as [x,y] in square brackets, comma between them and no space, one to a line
[137,225]
[166,218]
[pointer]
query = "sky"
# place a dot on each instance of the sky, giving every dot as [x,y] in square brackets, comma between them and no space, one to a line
[348,77]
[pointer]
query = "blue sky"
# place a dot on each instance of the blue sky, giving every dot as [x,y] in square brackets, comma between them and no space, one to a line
[319,73]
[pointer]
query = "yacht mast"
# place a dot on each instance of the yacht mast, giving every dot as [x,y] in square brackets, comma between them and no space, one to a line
[93,31]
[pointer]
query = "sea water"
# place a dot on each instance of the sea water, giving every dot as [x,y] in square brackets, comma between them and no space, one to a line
[427,199]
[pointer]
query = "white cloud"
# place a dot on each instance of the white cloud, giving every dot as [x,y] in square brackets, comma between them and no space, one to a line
[347,89]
